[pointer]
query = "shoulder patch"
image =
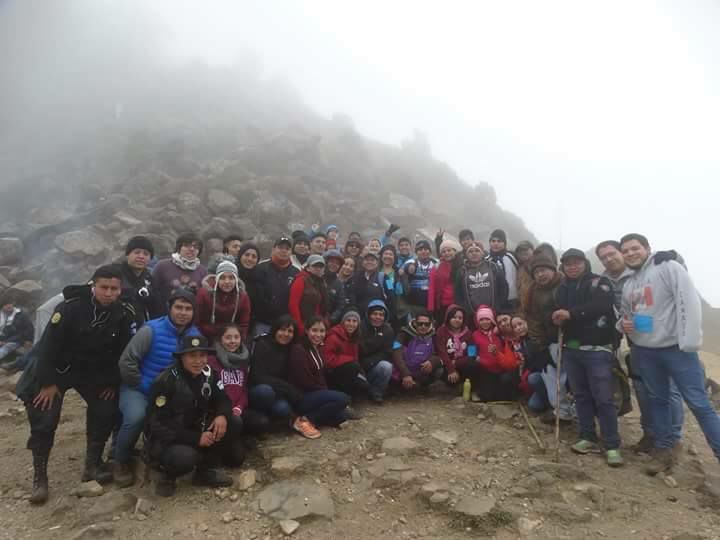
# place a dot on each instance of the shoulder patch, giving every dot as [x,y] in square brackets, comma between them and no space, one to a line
[56,318]
[160,401]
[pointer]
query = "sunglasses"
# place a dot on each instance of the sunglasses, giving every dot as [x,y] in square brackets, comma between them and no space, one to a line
[420,323]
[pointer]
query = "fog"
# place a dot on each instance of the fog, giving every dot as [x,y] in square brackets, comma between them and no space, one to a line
[590,120]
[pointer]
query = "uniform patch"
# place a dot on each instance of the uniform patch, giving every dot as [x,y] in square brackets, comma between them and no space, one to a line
[195,342]
[160,401]
[56,318]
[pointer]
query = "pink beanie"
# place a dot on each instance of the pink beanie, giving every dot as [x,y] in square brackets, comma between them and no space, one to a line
[484,312]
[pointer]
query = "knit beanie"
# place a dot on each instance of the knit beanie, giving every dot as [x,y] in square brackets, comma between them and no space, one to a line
[484,312]
[451,244]
[423,244]
[352,314]
[181,294]
[301,238]
[140,242]
[541,261]
[248,246]
[226,267]
[499,234]
[314,259]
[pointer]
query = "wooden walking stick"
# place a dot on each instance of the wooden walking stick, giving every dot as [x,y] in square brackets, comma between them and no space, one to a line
[537,438]
[558,367]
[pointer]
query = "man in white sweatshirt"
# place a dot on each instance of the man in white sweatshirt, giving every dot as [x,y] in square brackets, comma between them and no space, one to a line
[661,314]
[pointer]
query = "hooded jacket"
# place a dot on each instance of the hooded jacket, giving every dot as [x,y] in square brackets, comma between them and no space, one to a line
[218,308]
[336,300]
[441,291]
[502,359]
[480,284]
[179,410]
[538,308]
[366,289]
[168,277]
[16,327]
[508,266]
[308,297]
[376,342]
[139,291]
[452,345]
[307,367]
[666,295]
[340,349]
[274,286]
[232,370]
[270,365]
[411,350]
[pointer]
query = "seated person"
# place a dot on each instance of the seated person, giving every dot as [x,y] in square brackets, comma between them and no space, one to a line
[416,362]
[342,352]
[532,365]
[187,420]
[452,341]
[491,366]
[376,350]
[16,330]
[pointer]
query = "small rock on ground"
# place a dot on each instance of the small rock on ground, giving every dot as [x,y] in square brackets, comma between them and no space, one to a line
[88,489]
[289,526]
[399,446]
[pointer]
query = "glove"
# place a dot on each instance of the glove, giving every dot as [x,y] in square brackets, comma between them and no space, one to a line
[665,256]
[392,228]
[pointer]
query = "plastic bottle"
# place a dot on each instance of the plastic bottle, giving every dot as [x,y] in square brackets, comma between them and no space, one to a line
[467,390]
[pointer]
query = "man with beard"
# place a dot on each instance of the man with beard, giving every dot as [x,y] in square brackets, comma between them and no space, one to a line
[662,317]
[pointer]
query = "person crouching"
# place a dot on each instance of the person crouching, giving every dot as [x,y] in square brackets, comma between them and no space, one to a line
[187,420]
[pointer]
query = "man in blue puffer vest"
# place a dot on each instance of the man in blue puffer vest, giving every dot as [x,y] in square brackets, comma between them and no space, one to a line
[147,354]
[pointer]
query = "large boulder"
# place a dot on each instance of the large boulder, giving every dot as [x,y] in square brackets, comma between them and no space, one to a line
[24,293]
[11,251]
[82,243]
[294,500]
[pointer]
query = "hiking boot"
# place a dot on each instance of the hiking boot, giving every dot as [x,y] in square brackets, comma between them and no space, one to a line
[662,462]
[614,459]
[214,478]
[95,468]
[165,485]
[40,489]
[305,428]
[584,446]
[645,445]
[123,474]
[677,451]
[352,413]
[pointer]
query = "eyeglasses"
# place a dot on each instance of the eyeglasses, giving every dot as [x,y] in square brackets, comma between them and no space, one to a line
[421,323]
[191,246]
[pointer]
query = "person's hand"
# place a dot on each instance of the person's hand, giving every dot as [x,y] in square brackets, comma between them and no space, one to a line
[237,411]
[454,377]
[408,382]
[218,427]
[492,349]
[426,367]
[628,325]
[46,396]
[107,393]
[207,439]
[440,233]
[411,269]
[392,228]
[560,316]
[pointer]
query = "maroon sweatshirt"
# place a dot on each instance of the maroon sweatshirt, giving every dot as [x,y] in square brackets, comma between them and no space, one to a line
[307,368]
[234,381]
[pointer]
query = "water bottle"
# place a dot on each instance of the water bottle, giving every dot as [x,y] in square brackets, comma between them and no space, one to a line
[467,390]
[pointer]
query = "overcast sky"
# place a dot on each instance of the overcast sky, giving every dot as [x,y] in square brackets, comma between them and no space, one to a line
[590,119]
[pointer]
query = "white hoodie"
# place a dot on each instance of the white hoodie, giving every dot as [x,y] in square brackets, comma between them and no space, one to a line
[666,294]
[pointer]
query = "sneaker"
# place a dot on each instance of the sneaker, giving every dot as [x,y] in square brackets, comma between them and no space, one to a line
[305,428]
[662,462]
[214,478]
[644,445]
[614,459]
[585,447]
[352,414]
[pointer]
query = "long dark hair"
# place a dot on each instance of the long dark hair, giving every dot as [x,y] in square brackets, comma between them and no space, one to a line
[309,323]
[284,321]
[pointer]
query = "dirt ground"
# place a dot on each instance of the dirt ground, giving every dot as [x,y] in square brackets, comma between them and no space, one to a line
[465,451]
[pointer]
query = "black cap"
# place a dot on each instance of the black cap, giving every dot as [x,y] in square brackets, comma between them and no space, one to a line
[192,344]
[370,254]
[181,294]
[140,242]
[283,240]
[573,253]
[423,244]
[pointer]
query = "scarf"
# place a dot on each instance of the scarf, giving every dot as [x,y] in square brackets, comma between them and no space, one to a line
[229,360]
[282,265]
[185,264]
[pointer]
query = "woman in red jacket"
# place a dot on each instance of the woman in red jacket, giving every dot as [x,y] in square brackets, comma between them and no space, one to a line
[492,365]
[227,303]
[342,352]
[308,293]
[307,372]
[441,291]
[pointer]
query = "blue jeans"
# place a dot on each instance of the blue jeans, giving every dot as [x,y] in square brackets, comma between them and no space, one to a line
[677,412]
[263,398]
[658,368]
[325,407]
[8,349]
[538,401]
[549,376]
[132,405]
[591,380]
[378,378]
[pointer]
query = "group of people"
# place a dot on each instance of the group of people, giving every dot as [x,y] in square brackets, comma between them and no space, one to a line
[195,358]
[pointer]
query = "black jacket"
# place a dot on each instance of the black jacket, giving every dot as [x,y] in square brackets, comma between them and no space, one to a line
[274,291]
[83,342]
[376,344]
[179,410]
[365,290]
[466,277]
[336,300]
[589,300]
[252,288]
[20,330]
[270,365]
[139,291]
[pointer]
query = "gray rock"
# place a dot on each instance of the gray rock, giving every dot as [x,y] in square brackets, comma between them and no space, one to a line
[82,243]
[592,491]
[562,471]
[504,412]
[447,437]
[144,507]
[97,530]
[286,466]
[293,500]
[386,465]
[110,504]
[88,489]
[227,517]
[433,487]
[439,499]
[527,526]
[221,202]
[544,478]
[25,292]
[246,479]
[289,526]
[11,251]
[355,476]
[399,446]
[475,507]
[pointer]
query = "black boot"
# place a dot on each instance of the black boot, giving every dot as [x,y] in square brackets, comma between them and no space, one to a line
[95,468]
[165,485]
[214,478]
[40,480]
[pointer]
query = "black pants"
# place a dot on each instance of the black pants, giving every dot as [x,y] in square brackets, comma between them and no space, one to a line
[348,378]
[491,386]
[180,459]
[100,418]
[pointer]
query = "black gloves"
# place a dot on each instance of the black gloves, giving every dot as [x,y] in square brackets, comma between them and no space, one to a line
[665,256]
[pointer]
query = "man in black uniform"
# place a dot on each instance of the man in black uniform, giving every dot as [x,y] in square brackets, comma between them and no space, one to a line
[80,349]
[187,420]
[137,286]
